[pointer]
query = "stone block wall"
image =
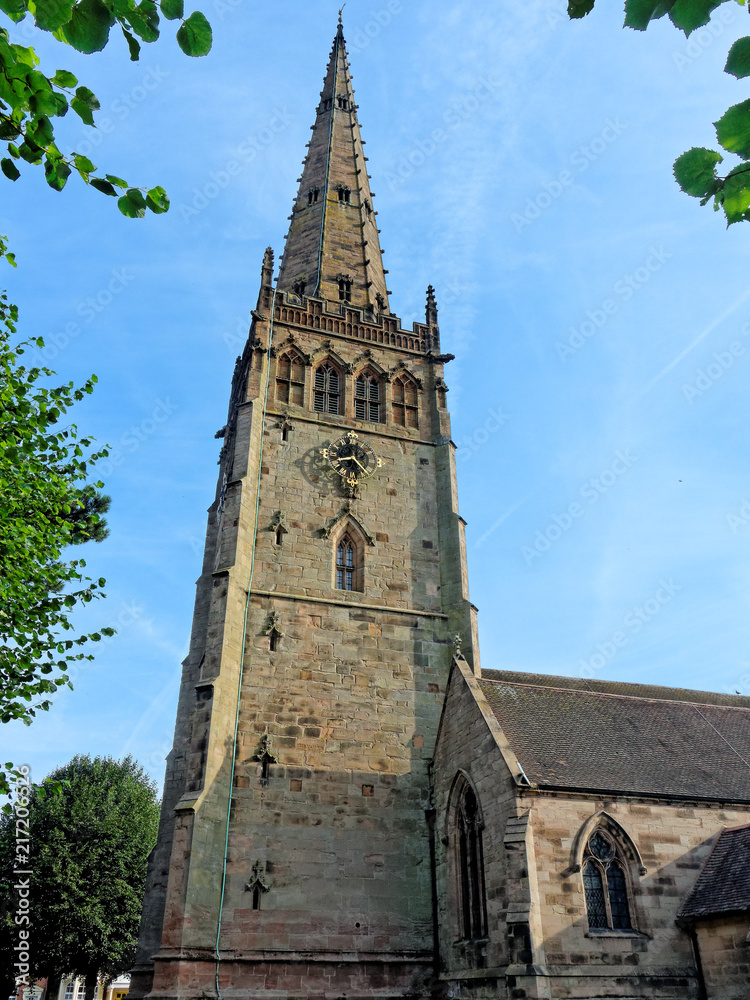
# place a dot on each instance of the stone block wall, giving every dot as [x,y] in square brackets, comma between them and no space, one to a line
[724,944]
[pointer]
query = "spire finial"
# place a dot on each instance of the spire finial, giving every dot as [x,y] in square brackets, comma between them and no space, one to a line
[431,314]
[266,273]
[341,11]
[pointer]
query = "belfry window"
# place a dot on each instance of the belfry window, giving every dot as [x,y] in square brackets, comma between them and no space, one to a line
[473,911]
[326,390]
[344,195]
[367,392]
[605,886]
[345,290]
[405,402]
[343,103]
[299,287]
[290,379]
[312,196]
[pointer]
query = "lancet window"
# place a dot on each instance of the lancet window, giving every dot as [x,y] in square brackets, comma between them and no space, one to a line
[470,864]
[605,885]
[345,290]
[368,397]
[349,561]
[290,378]
[327,389]
[405,402]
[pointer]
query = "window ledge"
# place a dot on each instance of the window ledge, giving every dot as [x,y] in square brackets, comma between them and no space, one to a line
[608,933]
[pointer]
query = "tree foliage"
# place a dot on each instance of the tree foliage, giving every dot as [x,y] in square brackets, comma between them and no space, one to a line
[696,171]
[46,504]
[31,100]
[89,846]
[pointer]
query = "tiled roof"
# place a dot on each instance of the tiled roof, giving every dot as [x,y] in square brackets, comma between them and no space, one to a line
[723,885]
[629,738]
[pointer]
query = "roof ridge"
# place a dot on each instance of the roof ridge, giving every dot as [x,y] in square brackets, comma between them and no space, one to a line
[632,697]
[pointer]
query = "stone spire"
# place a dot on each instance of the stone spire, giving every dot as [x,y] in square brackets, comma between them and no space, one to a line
[332,247]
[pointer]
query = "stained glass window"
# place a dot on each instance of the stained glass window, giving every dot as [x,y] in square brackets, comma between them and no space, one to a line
[606,886]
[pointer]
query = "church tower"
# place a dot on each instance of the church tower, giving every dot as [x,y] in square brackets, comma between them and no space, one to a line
[295,851]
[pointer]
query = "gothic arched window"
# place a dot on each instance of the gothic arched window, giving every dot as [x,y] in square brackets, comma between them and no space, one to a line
[290,378]
[605,885]
[327,389]
[405,402]
[367,397]
[345,290]
[470,863]
[349,558]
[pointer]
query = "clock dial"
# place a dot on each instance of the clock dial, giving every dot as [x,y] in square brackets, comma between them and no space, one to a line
[351,459]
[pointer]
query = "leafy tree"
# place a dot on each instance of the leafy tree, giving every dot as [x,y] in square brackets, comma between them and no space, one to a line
[46,504]
[30,99]
[89,846]
[696,170]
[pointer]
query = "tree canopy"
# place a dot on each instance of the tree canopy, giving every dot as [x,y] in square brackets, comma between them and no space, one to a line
[47,502]
[31,99]
[696,170]
[89,846]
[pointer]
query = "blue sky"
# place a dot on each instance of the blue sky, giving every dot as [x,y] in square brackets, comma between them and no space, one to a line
[600,321]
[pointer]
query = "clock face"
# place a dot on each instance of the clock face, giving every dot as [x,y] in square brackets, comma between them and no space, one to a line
[352,459]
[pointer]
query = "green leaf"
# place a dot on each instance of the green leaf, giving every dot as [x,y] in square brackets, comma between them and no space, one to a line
[157,200]
[52,14]
[56,173]
[144,20]
[30,152]
[638,13]
[83,163]
[63,78]
[88,97]
[40,131]
[88,28]
[576,8]
[117,181]
[9,130]
[133,45]
[83,111]
[9,168]
[738,60]
[175,9]
[194,36]
[13,8]
[733,129]
[132,204]
[695,171]
[691,14]
[104,186]
[737,195]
